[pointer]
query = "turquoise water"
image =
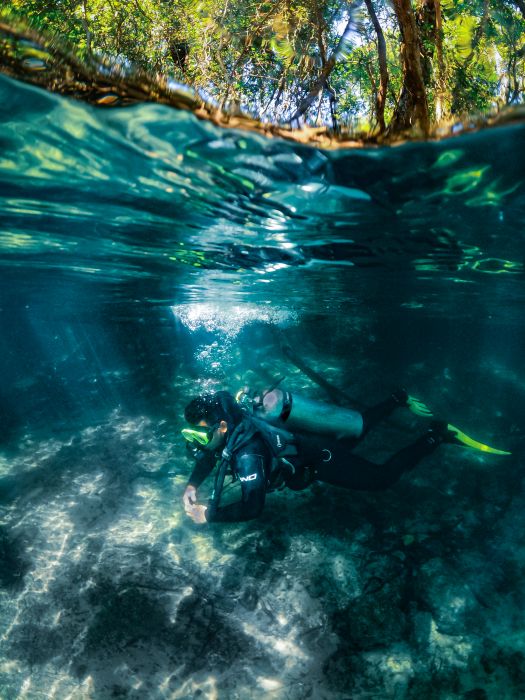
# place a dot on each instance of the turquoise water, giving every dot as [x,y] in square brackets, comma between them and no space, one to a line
[149,194]
[146,255]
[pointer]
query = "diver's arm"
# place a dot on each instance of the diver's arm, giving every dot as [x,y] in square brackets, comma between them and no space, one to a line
[250,470]
[204,463]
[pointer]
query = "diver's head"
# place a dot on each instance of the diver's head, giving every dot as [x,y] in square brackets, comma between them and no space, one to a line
[211,417]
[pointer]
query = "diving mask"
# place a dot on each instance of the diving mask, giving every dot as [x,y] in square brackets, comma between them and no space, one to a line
[200,435]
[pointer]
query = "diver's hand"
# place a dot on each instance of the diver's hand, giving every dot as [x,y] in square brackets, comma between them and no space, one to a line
[197,513]
[190,497]
[192,508]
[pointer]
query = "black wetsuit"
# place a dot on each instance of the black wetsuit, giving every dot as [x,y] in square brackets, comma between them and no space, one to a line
[251,465]
[318,458]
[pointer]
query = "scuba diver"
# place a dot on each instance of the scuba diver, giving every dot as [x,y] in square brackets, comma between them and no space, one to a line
[278,439]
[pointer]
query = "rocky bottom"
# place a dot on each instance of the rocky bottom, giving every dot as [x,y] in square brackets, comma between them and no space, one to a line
[107,590]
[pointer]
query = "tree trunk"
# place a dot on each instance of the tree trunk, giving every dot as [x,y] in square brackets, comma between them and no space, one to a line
[319,85]
[85,24]
[412,108]
[322,80]
[430,26]
[426,24]
[383,68]
[513,91]
[440,82]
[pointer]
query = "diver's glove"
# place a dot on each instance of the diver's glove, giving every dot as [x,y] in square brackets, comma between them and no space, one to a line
[402,398]
[418,407]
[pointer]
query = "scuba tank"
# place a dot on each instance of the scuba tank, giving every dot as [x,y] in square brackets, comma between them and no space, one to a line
[296,413]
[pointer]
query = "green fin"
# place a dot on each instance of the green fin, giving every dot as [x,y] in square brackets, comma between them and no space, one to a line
[470,442]
[418,407]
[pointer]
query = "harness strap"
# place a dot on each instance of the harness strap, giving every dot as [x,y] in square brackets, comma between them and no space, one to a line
[236,440]
[287,406]
[282,446]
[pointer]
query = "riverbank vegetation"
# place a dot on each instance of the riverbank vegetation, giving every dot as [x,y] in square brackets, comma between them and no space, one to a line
[378,67]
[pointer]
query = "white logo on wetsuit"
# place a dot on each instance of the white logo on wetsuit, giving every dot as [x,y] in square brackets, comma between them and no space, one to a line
[279,443]
[251,477]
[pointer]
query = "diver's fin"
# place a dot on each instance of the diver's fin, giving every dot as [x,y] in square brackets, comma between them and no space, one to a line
[459,437]
[418,407]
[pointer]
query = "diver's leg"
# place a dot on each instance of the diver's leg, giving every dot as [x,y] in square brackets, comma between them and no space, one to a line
[354,472]
[372,416]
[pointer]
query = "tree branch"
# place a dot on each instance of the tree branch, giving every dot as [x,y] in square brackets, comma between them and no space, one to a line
[383,68]
[86,26]
[441,64]
[244,51]
[322,80]
[142,12]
